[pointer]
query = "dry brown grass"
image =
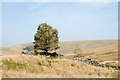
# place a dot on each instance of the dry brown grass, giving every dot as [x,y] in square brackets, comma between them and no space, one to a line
[35,67]
[61,68]
[109,57]
[67,48]
[90,47]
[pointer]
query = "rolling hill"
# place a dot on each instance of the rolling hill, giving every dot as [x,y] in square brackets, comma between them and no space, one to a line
[29,66]
[90,48]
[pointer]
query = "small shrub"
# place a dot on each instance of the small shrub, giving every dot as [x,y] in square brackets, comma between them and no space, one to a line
[98,74]
[73,64]
[39,63]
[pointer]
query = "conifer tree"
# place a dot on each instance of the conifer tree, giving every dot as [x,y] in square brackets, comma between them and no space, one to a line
[46,38]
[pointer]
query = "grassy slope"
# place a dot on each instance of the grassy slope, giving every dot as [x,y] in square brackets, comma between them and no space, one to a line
[101,50]
[16,49]
[95,48]
[34,67]
[90,46]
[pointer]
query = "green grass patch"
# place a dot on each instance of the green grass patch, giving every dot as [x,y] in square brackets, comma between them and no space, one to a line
[115,66]
[89,73]
[98,74]
[118,76]
[49,66]
[106,53]
[13,65]
[73,64]
[0,67]
[114,75]
[49,62]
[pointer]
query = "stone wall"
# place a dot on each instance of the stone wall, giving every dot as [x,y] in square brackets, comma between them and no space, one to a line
[60,56]
[87,61]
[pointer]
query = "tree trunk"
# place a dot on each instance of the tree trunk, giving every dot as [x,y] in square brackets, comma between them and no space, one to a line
[36,53]
[46,51]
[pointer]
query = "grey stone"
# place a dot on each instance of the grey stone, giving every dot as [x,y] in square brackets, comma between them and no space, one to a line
[75,58]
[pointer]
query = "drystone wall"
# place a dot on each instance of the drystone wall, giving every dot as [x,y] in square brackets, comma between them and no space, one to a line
[60,56]
[87,61]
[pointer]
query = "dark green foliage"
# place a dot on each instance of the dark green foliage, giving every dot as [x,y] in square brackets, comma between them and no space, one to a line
[46,38]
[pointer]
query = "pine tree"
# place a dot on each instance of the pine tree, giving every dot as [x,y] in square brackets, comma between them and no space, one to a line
[46,38]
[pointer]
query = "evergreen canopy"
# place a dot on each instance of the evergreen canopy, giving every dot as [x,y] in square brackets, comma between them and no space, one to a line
[46,38]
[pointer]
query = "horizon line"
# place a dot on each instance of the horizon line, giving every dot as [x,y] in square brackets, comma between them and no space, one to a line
[62,41]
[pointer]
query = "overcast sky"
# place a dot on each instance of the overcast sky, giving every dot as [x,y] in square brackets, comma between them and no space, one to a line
[74,20]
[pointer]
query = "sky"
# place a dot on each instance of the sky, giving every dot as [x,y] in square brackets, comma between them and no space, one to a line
[73,20]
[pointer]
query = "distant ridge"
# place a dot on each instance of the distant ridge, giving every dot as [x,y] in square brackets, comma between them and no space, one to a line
[89,46]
